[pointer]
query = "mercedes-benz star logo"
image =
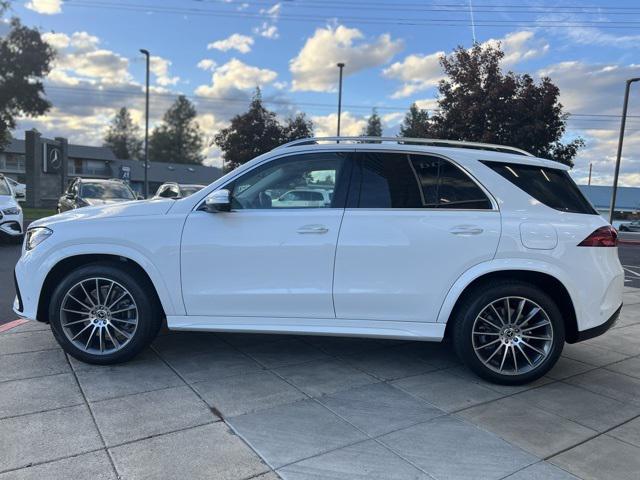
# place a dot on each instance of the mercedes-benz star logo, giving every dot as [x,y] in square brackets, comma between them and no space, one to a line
[54,158]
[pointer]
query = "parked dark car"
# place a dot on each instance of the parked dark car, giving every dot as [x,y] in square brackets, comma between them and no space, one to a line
[630,227]
[90,192]
[177,190]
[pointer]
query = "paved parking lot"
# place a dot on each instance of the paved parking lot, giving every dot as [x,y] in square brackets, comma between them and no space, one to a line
[229,406]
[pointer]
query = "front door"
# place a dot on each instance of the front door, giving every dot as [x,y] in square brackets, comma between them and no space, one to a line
[413,225]
[268,257]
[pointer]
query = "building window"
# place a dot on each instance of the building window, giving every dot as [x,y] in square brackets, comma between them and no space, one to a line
[12,162]
[93,168]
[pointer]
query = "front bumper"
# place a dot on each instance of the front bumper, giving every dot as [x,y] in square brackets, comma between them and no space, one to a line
[600,329]
[11,227]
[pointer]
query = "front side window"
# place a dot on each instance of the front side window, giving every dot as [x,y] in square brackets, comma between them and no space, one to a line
[4,187]
[551,186]
[401,180]
[296,181]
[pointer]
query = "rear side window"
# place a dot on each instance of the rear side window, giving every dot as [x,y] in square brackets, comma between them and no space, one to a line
[550,186]
[399,180]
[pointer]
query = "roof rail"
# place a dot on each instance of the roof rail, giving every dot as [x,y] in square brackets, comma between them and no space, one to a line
[434,142]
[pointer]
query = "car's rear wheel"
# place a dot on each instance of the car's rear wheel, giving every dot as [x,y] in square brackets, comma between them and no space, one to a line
[100,313]
[509,333]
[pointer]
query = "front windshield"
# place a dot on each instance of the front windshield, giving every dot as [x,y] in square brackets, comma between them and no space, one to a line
[189,190]
[4,187]
[106,190]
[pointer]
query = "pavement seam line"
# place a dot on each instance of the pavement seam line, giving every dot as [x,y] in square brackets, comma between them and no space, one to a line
[93,418]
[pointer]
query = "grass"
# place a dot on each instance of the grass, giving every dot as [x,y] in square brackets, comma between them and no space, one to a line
[37,213]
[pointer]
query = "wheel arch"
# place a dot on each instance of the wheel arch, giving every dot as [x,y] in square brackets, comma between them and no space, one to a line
[67,264]
[544,280]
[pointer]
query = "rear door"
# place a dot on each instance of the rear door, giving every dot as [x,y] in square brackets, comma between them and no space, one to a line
[413,224]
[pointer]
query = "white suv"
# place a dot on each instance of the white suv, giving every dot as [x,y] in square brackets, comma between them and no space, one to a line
[423,239]
[11,221]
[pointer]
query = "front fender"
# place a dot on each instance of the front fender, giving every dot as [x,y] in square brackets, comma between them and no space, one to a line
[31,279]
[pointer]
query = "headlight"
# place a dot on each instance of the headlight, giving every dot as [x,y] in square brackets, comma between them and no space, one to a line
[36,235]
[12,211]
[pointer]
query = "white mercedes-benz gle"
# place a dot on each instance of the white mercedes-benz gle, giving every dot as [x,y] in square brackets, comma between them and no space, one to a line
[422,240]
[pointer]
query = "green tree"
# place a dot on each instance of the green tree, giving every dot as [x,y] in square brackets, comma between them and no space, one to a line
[257,131]
[415,123]
[178,139]
[374,125]
[478,102]
[25,59]
[123,136]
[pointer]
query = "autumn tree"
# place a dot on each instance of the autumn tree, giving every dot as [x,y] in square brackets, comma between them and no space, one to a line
[123,136]
[479,102]
[25,59]
[178,138]
[257,131]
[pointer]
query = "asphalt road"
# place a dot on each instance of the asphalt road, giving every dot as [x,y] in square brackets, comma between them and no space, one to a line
[9,254]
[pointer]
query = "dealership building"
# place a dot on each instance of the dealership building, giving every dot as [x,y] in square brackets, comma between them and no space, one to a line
[100,162]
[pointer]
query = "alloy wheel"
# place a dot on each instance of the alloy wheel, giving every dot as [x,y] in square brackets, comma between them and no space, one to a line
[512,335]
[99,316]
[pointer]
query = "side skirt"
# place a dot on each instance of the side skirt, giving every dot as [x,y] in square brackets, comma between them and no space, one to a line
[311,326]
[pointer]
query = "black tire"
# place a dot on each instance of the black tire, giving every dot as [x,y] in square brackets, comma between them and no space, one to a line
[149,316]
[477,302]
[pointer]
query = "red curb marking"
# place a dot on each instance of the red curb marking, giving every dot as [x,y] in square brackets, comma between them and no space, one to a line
[10,325]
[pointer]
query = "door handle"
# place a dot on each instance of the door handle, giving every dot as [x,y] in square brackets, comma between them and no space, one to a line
[466,230]
[313,229]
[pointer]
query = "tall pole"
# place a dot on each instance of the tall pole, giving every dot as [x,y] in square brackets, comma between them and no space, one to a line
[620,140]
[340,66]
[590,170]
[146,129]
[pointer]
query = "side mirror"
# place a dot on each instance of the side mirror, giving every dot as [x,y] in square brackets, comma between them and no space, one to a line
[218,201]
[69,196]
[139,196]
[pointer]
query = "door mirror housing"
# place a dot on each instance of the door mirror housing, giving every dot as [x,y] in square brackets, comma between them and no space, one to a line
[218,201]
[70,196]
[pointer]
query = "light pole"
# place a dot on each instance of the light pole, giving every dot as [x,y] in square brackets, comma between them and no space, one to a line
[620,140]
[146,129]
[340,66]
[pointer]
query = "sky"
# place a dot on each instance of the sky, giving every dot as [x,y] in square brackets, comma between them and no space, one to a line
[217,51]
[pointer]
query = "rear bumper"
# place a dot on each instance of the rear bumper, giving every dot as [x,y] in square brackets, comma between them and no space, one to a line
[600,329]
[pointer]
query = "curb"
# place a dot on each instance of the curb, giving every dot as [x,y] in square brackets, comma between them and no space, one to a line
[8,326]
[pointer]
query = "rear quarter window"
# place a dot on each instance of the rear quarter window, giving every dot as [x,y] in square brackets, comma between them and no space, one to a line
[551,186]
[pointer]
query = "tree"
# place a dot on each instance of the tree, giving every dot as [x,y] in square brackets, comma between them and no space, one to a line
[415,123]
[478,102]
[257,131]
[178,139]
[25,59]
[374,125]
[123,136]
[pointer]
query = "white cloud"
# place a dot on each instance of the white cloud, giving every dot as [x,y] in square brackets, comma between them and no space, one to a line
[350,125]
[519,46]
[241,43]
[83,42]
[46,7]
[235,76]
[420,72]
[267,30]
[314,68]
[56,40]
[160,68]
[417,72]
[207,64]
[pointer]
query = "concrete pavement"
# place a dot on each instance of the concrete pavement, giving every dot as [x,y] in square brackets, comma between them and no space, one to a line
[234,406]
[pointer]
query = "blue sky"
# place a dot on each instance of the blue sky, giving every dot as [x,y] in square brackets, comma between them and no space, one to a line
[218,51]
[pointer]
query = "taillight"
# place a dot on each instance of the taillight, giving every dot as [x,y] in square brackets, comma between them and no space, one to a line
[602,237]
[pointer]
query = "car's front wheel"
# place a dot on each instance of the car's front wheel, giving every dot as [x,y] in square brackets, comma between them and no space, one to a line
[509,332]
[101,313]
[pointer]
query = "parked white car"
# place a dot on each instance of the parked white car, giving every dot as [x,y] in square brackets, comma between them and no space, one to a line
[484,244]
[303,197]
[11,221]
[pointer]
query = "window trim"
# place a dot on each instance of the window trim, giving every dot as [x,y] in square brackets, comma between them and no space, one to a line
[356,176]
[344,184]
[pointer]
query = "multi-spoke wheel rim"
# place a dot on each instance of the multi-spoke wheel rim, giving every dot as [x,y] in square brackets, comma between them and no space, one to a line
[512,335]
[99,316]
